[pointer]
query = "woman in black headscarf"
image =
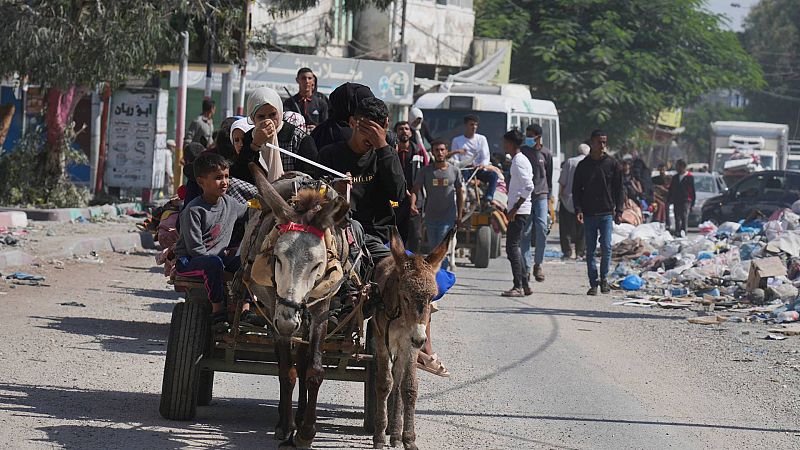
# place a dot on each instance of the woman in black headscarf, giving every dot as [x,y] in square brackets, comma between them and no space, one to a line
[343,100]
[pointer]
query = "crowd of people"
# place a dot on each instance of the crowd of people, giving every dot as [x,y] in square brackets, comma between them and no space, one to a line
[401,176]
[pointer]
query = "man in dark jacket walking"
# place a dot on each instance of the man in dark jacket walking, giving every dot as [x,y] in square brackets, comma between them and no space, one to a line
[597,197]
[681,194]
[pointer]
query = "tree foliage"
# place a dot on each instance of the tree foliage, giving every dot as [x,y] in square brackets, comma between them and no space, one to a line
[772,36]
[616,64]
[501,19]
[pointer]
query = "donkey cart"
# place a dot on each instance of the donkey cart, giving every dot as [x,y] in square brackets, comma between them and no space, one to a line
[479,230]
[195,352]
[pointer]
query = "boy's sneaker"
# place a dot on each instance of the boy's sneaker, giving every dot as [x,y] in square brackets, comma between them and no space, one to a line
[604,287]
[252,318]
[592,291]
[219,322]
[538,273]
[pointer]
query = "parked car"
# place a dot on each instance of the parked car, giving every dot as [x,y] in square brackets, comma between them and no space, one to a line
[763,192]
[706,185]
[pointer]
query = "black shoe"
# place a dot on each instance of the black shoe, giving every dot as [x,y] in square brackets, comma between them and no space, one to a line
[252,318]
[592,291]
[219,322]
[604,288]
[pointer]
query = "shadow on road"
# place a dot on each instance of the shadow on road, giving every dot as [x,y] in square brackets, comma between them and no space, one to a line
[717,426]
[113,419]
[562,312]
[123,336]
[160,294]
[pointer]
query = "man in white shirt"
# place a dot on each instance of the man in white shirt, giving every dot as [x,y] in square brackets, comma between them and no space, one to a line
[520,189]
[569,230]
[472,148]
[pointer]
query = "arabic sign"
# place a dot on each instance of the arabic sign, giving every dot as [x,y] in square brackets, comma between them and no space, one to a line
[136,129]
[392,82]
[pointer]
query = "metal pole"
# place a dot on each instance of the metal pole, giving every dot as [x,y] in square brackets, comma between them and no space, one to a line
[243,64]
[403,55]
[181,112]
[101,155]
[227,93]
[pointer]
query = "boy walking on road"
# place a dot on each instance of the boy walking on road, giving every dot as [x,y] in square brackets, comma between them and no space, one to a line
[597,197]
[520,189]
[444,197]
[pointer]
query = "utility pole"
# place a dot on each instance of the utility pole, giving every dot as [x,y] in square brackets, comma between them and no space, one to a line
[210,55]
[243,64]
[181,113]
[403,55]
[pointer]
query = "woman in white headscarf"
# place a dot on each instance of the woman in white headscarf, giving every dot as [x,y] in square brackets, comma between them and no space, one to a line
[265,112]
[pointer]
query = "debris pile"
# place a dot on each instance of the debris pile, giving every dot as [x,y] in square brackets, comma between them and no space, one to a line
[740,272]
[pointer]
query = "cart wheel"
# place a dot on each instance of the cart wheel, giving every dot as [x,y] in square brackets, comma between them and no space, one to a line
[370,397]
[205,387]
[497,249]
[188,337]
[483,247]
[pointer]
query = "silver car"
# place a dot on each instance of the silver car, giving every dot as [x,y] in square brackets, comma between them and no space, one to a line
[706,185]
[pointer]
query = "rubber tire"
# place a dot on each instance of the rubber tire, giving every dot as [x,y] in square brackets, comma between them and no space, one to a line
[188,337]
[370,397]
[483,247]
[205,388]
[497,248]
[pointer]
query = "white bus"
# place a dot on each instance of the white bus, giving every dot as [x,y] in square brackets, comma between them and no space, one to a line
[499,108]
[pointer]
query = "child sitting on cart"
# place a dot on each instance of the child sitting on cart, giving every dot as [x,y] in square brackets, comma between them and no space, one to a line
[207,224]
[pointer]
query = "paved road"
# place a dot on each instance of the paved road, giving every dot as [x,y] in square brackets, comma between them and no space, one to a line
[554,370]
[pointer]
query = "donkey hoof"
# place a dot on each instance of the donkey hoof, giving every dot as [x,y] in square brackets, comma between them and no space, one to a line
[303,442]
[394,441]
[281,435]
[378,445]
[410,446]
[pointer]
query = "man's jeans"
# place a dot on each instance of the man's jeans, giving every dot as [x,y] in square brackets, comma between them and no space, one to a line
[490,178]
[536,230]
[513,237]
[594,226]
[436,230]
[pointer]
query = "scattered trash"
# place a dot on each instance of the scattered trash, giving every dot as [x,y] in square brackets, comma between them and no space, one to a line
[775,337]
[632,283]
[80,305]
[24,277]
[787,316]
[10,240]
[707,320]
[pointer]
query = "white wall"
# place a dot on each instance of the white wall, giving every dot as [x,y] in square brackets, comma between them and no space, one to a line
[436,33]
[325,27]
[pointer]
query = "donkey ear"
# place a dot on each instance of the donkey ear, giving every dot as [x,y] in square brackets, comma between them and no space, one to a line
[331,213]
[396,246]
[283,212]
[438,254]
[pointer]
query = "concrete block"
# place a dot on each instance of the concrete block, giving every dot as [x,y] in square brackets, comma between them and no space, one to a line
[13,219]
[13,258]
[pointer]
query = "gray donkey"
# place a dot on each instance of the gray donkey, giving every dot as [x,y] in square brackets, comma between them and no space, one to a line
[285,263]
[407,284]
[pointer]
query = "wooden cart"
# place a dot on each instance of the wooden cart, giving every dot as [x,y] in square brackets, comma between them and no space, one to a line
[477,231]
[194,354]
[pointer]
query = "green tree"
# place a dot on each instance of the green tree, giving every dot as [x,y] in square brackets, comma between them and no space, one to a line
[616,64]
[69,46]
[772,36]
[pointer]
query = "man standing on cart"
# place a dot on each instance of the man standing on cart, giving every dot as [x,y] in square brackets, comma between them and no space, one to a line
[472,148]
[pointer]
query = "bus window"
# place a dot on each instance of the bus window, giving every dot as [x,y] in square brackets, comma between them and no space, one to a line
[524,121]
[515,122]
[547,133]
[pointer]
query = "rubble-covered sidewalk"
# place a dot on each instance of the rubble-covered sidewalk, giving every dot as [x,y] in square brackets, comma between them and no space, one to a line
[742,272]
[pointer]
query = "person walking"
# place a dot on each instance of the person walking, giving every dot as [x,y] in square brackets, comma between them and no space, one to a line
[308,102]
[597,197]
[412,158]
[520,189]
[570,231]
[541,159]
[201,129]
[681,195]
[444,197]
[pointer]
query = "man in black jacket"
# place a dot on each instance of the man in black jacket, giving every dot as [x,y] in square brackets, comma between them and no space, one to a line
[378,180]
[681,194]
[312,105]
[597,197]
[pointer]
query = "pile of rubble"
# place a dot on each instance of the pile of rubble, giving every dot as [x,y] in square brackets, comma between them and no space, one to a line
[745,272]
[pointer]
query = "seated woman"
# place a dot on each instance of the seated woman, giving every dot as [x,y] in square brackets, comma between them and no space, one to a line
[265,113]
[632,189]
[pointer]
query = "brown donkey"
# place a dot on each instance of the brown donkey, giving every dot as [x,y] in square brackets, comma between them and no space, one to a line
[407,285]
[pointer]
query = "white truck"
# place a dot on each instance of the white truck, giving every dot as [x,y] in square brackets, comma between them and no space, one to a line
[739,148]
[793,160]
